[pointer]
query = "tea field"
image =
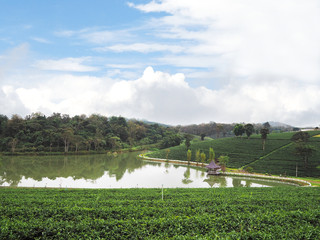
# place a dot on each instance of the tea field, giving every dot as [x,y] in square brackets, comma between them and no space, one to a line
[277,158]
[217,213]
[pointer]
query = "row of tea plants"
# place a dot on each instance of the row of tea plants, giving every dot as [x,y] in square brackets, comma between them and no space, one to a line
[233,213]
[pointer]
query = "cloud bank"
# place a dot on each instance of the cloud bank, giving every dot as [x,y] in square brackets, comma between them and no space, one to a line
[161,97]
[231,61]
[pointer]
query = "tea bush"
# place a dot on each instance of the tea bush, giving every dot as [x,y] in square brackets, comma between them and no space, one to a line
[232,213]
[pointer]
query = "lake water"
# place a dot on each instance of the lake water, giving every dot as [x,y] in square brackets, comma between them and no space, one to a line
[109,171]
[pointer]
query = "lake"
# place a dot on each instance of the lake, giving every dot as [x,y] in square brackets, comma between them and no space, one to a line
[111,171]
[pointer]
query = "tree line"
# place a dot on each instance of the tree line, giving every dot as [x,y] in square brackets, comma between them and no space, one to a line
[62,133]
[218,130]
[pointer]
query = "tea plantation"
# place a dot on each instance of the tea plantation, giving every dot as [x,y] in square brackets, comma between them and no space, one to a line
[217,213]
[278,157]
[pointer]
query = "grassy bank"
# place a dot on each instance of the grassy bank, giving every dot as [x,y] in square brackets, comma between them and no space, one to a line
[233,213]
[277,158]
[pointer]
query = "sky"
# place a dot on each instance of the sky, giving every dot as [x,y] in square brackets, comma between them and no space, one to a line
[169,61]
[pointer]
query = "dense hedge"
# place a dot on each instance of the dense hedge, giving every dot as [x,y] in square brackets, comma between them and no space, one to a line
[232,213]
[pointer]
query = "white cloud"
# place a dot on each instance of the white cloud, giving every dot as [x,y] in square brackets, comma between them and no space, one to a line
[96,35]
[125,66]
[64,93]
[13,59]
[265,54]
[41,40]
[161,97]
[103,37]
[10,102]
[142,47]
[66,64]
[279,38]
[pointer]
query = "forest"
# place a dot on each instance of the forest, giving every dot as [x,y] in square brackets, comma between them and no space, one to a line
[62,133]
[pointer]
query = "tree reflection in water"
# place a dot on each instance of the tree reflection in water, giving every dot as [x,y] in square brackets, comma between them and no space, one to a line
[186,175]
[89,167]
[216,181]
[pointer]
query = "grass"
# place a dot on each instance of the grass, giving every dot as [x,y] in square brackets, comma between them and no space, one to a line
[278,157]
[218,213]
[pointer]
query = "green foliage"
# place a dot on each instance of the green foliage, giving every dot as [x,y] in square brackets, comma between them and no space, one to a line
[62,133]
[301,148]
[212,154]
[249,129]
[278,158]
[167,153]
[237,213]
[300,137]
[224,160]
[202,136]
[264,133]
[238,129]
[188,138]
[198,156]
[171,140]
[249,169]
[203,157]
[189,154]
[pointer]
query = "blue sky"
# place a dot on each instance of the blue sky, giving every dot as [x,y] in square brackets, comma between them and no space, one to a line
[171,61]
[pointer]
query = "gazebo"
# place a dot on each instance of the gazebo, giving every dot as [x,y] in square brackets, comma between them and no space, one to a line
[213,168]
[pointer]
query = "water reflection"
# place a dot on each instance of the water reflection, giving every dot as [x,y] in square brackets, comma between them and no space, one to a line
[186,175]
[216,181]
[109,171]
[13,169]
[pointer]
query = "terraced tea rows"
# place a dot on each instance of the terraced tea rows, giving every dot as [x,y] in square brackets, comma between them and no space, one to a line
[278,157]
[237,213]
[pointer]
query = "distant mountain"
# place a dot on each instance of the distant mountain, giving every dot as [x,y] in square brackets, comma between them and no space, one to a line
[150,123]
[279,124]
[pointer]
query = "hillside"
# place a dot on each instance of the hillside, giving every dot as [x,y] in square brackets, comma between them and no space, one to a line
[61,133]
[278,157]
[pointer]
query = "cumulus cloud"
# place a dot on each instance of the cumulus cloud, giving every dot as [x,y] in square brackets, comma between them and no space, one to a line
[10,102]
[166,98]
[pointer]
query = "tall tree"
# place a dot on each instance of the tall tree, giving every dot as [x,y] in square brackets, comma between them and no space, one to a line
[13,143]
[77,140]
[189,154]
[198,156]
[202,135]
[300,137]
[188,138]
[212,155]
[219,129]
[67,136]
[302,149]
[203,157]
[249,129]
[264,134]
[223,161]
[3,123]
[238,129]
[266,125]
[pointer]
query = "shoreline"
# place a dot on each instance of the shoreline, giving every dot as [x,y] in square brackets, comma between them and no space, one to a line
[300,182]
